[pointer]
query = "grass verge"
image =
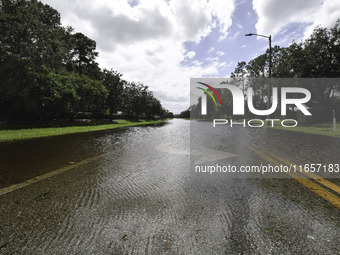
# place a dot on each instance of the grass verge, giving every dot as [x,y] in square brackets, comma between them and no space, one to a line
[317,129]
[22,134]
[325,128]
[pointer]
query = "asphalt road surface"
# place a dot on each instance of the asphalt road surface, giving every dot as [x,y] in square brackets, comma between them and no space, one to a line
[136,191]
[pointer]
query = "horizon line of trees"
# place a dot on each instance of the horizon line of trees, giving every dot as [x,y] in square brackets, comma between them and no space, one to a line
[316,57]
[49,72]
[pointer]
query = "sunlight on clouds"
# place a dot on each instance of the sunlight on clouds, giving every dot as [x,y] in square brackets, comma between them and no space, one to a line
[275,15]
[223,10]
[190,54]
[192,19]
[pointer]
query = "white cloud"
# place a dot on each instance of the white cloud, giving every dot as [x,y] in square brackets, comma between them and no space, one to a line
[191,20]
[231,63]
[234,36]
[144,40]
[275,15]
[223,11]
[190,54]
[212,59]
[211,49]
[239,26]
[220,53]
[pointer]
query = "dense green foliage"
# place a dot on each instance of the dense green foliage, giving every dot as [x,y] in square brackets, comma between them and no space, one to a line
[184,114]
[49,72]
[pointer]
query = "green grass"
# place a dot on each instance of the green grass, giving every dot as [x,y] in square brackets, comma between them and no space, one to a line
[21,134]
[317,129]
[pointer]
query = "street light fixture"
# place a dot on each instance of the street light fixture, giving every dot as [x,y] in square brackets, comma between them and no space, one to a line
[270,62]
[270,50]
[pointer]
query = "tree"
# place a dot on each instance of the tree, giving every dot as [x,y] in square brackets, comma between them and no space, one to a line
[30,92]
[84,56]
[115,86]
[91,93]
[139,101]
[184,114]
[154,107]
[32,30]
[239,74]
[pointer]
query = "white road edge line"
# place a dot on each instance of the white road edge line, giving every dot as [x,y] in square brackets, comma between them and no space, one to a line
[48,175]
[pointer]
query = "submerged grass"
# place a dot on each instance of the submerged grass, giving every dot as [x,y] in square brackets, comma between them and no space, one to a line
[21,134]
[325,128]
[317,129]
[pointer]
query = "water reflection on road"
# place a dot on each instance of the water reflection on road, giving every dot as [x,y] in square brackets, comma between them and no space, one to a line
[141,197]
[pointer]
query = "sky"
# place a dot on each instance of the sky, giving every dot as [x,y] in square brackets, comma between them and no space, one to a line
[162,43]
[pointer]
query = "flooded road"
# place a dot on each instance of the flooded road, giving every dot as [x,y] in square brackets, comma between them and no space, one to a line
[133,191]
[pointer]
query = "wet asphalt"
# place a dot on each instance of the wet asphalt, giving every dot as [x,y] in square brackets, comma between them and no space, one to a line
[135,191]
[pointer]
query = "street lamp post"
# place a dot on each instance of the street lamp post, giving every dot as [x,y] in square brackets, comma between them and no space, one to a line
[270,63]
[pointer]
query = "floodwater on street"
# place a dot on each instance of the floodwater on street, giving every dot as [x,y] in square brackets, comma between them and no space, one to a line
[134,191]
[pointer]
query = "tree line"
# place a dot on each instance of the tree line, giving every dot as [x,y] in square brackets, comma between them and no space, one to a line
[48,71]
[316,57]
